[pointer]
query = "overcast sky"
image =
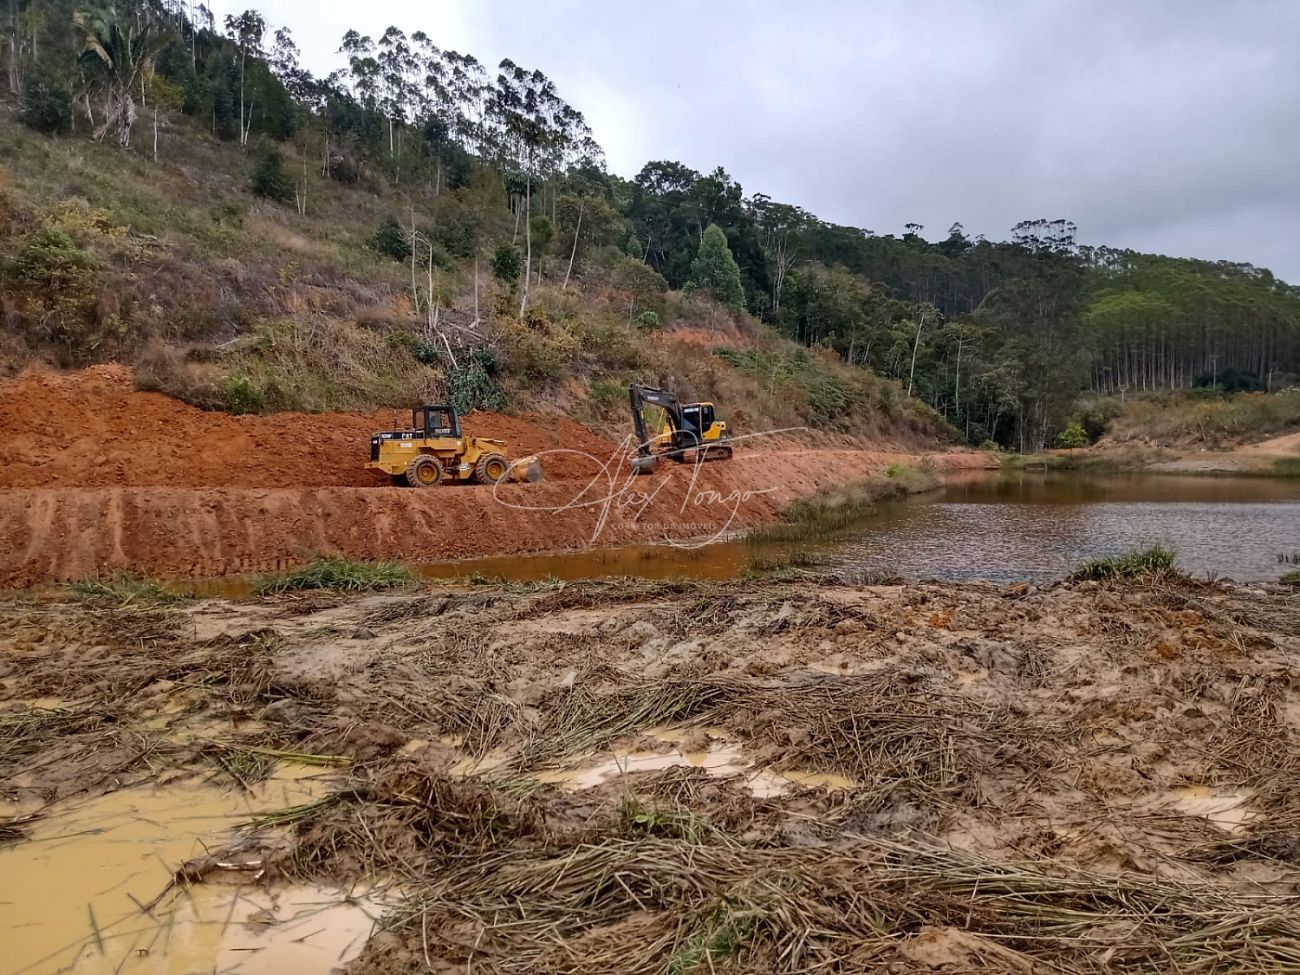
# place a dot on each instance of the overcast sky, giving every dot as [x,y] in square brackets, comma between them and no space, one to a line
[1164,125]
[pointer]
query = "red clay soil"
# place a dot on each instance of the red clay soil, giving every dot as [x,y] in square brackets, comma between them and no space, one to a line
[96,478]
[92,429]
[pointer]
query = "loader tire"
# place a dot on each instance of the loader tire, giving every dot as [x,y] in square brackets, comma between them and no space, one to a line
[492,469]
[425,471]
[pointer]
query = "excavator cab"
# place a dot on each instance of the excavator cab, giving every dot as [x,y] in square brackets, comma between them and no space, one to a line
[698,419]
[691,428]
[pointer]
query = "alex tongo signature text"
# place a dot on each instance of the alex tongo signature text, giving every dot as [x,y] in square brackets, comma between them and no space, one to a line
[614,487]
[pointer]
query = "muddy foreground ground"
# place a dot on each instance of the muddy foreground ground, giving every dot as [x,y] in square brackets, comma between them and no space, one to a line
[793,776]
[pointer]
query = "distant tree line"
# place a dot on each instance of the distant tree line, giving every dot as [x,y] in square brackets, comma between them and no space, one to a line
[998,336]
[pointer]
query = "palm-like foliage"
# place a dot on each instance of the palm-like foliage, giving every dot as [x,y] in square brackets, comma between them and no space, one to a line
[117,51]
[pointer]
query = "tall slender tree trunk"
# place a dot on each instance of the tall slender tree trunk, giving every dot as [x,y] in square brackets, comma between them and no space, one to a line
[956,391]
[915,346]
[528,240]
[574,253]
[476,316]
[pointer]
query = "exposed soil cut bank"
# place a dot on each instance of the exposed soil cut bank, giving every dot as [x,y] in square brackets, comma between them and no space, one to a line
[97,478]
[91,429]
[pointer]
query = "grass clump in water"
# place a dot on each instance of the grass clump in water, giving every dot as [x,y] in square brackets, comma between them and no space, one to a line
[1154,560]
[1291,579]
[122,590]
[1287,467]
[794,563]
[337,575]
[827,512]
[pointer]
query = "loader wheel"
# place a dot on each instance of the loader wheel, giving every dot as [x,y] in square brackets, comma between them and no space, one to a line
[425,471]
[492,468]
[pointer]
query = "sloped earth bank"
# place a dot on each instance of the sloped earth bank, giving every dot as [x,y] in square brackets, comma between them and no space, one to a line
[696,778]
[96,478]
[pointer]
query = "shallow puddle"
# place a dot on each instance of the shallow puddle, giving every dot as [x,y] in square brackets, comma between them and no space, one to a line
[73,891]
[720,759]
[1224,808]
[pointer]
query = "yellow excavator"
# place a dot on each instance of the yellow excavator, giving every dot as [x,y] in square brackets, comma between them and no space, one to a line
[686,428]
[435,450]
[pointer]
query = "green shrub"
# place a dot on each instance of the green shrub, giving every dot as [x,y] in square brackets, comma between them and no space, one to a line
[472,387]
[1072,437]
[337,574]
[542,232]
[239,394]
[46,104]
[269,178]
[391,240]
[649,321]
[606,394]
[51,260]
[507,264]
[1140,563]
[61,279]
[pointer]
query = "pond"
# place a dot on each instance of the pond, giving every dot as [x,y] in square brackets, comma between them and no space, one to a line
[1007,527]
[1037,527]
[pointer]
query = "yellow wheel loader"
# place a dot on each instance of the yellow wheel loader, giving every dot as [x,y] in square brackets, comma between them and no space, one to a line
[690,427]
[434,451]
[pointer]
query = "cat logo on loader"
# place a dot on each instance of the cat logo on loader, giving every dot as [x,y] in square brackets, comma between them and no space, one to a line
[434,450]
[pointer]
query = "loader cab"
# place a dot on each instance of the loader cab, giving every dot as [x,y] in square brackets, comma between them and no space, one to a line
[436,422]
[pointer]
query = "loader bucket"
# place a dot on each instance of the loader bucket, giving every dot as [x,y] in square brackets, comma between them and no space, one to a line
[644,465]
[526,470]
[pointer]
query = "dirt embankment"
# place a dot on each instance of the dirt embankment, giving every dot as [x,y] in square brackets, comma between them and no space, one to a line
[97,478]
[1275,455]
[91,429]
[694,777]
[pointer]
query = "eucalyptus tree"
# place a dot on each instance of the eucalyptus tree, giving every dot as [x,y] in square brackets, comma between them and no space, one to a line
[247,31]
[536,133]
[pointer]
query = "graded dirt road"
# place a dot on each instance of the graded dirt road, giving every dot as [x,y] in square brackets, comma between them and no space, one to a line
[97,478]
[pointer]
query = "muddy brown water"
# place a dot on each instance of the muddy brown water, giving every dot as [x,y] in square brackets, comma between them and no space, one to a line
[1038,527]
[1014,527]
[73,892]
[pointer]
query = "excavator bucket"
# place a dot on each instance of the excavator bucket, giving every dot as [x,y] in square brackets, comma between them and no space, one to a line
[644,465]
[526,470]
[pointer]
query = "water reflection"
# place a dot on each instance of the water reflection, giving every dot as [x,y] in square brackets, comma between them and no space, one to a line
[1038,526]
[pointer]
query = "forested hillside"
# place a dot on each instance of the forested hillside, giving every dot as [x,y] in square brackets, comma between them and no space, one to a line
[186,197]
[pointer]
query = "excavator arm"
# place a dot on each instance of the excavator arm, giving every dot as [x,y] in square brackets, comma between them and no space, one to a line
[641,397]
